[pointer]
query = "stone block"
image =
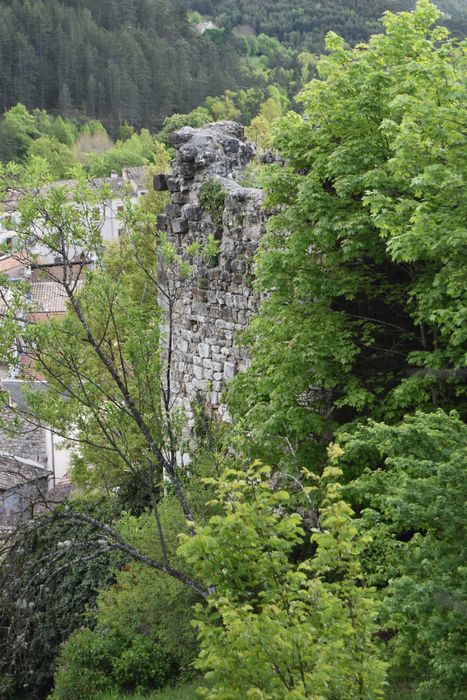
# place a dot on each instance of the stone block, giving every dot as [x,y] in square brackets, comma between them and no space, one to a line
[204,350]
[187,170]
[173,211]
[172,184]
[180,226]
[180,197]
[192,212]
[229,371]
[199,295]
[198,372]
[160,182]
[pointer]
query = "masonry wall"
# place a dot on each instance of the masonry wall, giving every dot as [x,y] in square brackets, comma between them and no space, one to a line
[29,442]
[216,302]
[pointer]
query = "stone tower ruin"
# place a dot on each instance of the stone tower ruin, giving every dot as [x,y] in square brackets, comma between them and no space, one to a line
[215,303]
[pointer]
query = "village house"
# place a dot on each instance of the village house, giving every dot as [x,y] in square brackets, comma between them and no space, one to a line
[130,185]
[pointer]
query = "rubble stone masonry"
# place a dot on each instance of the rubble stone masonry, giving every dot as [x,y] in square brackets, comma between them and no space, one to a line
[217,300]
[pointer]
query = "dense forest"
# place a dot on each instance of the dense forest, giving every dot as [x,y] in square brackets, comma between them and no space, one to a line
[135,61]
[142,60]
[304,23]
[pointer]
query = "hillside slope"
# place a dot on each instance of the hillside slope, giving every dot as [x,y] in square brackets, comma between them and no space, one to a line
[304,23]
[137,60]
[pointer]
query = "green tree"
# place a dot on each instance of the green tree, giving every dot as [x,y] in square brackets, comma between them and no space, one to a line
[411,484]
[362,268]
[20,122]
[275,628]
[64,131]
[60,159]
[104,355]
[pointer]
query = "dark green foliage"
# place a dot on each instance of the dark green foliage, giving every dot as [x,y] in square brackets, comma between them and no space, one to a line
[92,662]
[142,637]
[39,610]
[412,491]
[304,23]
[211,199]
[96,57]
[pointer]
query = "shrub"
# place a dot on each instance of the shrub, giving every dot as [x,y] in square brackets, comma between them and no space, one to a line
[212,200]
[92,662]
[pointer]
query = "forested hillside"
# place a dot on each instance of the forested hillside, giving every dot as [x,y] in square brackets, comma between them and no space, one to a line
[304,23]
[135,61]
[140,61]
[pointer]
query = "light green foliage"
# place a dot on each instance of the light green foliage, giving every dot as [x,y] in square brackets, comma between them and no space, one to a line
[125,131]
[20,126]
[223,108]
[363,266]
[118,300]
[136,150]
[413,487]
[64,131]
[212,199]
[274,628]
[182,692]
[155,202]
[60,159]
[210,251]
[259,130]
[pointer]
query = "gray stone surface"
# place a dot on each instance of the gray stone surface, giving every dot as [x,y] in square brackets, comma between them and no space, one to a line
[218,300]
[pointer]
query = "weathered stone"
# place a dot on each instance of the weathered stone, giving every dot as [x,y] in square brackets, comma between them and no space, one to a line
[192,212]
[179,225]
[179,197]
[173,211]
[229,371]
[187,170]
[172,184]
[160,182]
[204,350]
[217,301]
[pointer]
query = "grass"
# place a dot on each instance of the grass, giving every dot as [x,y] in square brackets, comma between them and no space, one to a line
[182,692]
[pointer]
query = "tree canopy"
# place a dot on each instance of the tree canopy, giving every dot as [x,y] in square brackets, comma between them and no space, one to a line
[363,267]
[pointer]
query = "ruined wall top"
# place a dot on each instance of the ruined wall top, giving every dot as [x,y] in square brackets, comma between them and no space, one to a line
[219,147]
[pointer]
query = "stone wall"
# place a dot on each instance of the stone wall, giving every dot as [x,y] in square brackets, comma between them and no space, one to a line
[215,303]
[28,441]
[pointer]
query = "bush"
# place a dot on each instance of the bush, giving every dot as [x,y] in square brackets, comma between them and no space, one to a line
[56,605]
[142,637]
[212,199]
[274,628]
[92,662]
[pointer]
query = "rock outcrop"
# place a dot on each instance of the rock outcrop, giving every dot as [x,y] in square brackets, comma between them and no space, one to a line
[217,300]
